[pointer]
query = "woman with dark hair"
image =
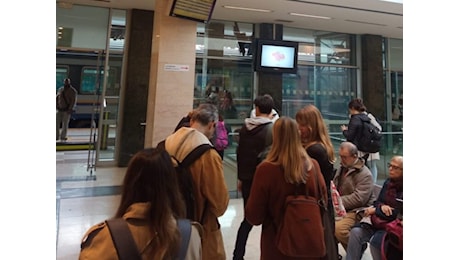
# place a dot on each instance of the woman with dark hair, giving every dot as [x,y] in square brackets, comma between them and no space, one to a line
[151,204]
[353,132]
[227,109]
[286,166]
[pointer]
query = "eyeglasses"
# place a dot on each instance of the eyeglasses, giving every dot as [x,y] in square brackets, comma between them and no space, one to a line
[394,166]
[345,156]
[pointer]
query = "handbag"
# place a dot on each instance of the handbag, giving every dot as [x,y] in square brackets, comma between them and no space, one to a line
[379,223]
[395,233]
[392,241]
[339,208]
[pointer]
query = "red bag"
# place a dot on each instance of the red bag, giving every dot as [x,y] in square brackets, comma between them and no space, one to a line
[378,223]
[393,237]
[395,233]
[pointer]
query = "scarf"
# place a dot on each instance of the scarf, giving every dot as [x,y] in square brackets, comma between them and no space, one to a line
[394,190]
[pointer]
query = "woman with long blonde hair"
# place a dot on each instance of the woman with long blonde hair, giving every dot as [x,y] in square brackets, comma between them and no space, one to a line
[286,165]
[287,151]
[316,141]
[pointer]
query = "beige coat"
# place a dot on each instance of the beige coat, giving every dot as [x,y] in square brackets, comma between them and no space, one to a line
[97,242]
[211,191]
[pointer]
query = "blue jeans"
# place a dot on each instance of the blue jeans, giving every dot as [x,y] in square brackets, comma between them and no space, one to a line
[372,165]
[357,242]
[376,252]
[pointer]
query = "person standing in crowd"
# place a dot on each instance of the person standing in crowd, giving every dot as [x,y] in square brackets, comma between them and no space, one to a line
[66,99]
[220,139]
[227,109]
[255,138]
[151,204]
[211,193]
[287,165]
[355,185]
[398,110]
[315,139]
[353,132]
[273,115]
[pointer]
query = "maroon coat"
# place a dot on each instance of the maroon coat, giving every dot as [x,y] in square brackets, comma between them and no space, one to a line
[266,201]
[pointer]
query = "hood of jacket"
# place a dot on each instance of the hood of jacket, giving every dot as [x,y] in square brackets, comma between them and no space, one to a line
[362,116]
[253,122]
[183,141]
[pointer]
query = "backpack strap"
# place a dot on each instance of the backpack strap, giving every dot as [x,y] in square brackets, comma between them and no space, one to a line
[185,228]
[126,247]
[322,202]
[122,239]
[195,154]
[269,134]
[190,158]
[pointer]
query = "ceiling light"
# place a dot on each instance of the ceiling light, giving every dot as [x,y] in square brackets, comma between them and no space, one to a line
[311,16]
[247,9]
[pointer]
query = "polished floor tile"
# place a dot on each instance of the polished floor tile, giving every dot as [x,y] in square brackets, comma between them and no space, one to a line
[82,203]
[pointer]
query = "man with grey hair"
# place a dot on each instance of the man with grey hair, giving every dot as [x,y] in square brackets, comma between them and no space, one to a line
[210,189]
[355,185]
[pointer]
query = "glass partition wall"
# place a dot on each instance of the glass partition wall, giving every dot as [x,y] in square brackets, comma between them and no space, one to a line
[327,74]
[326,77]
[89,51]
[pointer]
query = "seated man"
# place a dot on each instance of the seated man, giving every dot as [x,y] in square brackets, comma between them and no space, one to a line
[354,183]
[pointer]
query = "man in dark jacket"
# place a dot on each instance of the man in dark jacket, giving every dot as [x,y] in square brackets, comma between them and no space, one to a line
[255,139]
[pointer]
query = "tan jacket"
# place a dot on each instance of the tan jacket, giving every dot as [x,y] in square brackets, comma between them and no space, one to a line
[355,186]
[211,191]
[97,242]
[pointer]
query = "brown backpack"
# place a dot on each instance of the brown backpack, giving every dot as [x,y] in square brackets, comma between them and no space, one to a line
[301,232]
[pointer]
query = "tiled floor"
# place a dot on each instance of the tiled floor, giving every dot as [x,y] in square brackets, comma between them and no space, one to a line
[82,202]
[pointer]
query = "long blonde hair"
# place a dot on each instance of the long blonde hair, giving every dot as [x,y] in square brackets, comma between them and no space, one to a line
[288,152]
[310,117]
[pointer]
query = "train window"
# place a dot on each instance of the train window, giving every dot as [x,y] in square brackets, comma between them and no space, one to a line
[89,80]
[62,72]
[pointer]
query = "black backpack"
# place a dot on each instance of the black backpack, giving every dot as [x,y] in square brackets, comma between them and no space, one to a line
[184,176]
[371,137]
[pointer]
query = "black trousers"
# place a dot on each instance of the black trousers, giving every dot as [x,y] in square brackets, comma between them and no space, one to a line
[245,226]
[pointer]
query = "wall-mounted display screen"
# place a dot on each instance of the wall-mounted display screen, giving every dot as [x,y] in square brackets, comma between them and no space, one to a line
[196,10]
[276,56]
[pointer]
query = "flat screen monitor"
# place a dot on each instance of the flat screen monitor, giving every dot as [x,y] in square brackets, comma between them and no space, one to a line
[196,10]
[276,56]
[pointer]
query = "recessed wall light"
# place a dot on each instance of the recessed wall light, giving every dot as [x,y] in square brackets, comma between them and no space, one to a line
[247,9]
[311,16]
